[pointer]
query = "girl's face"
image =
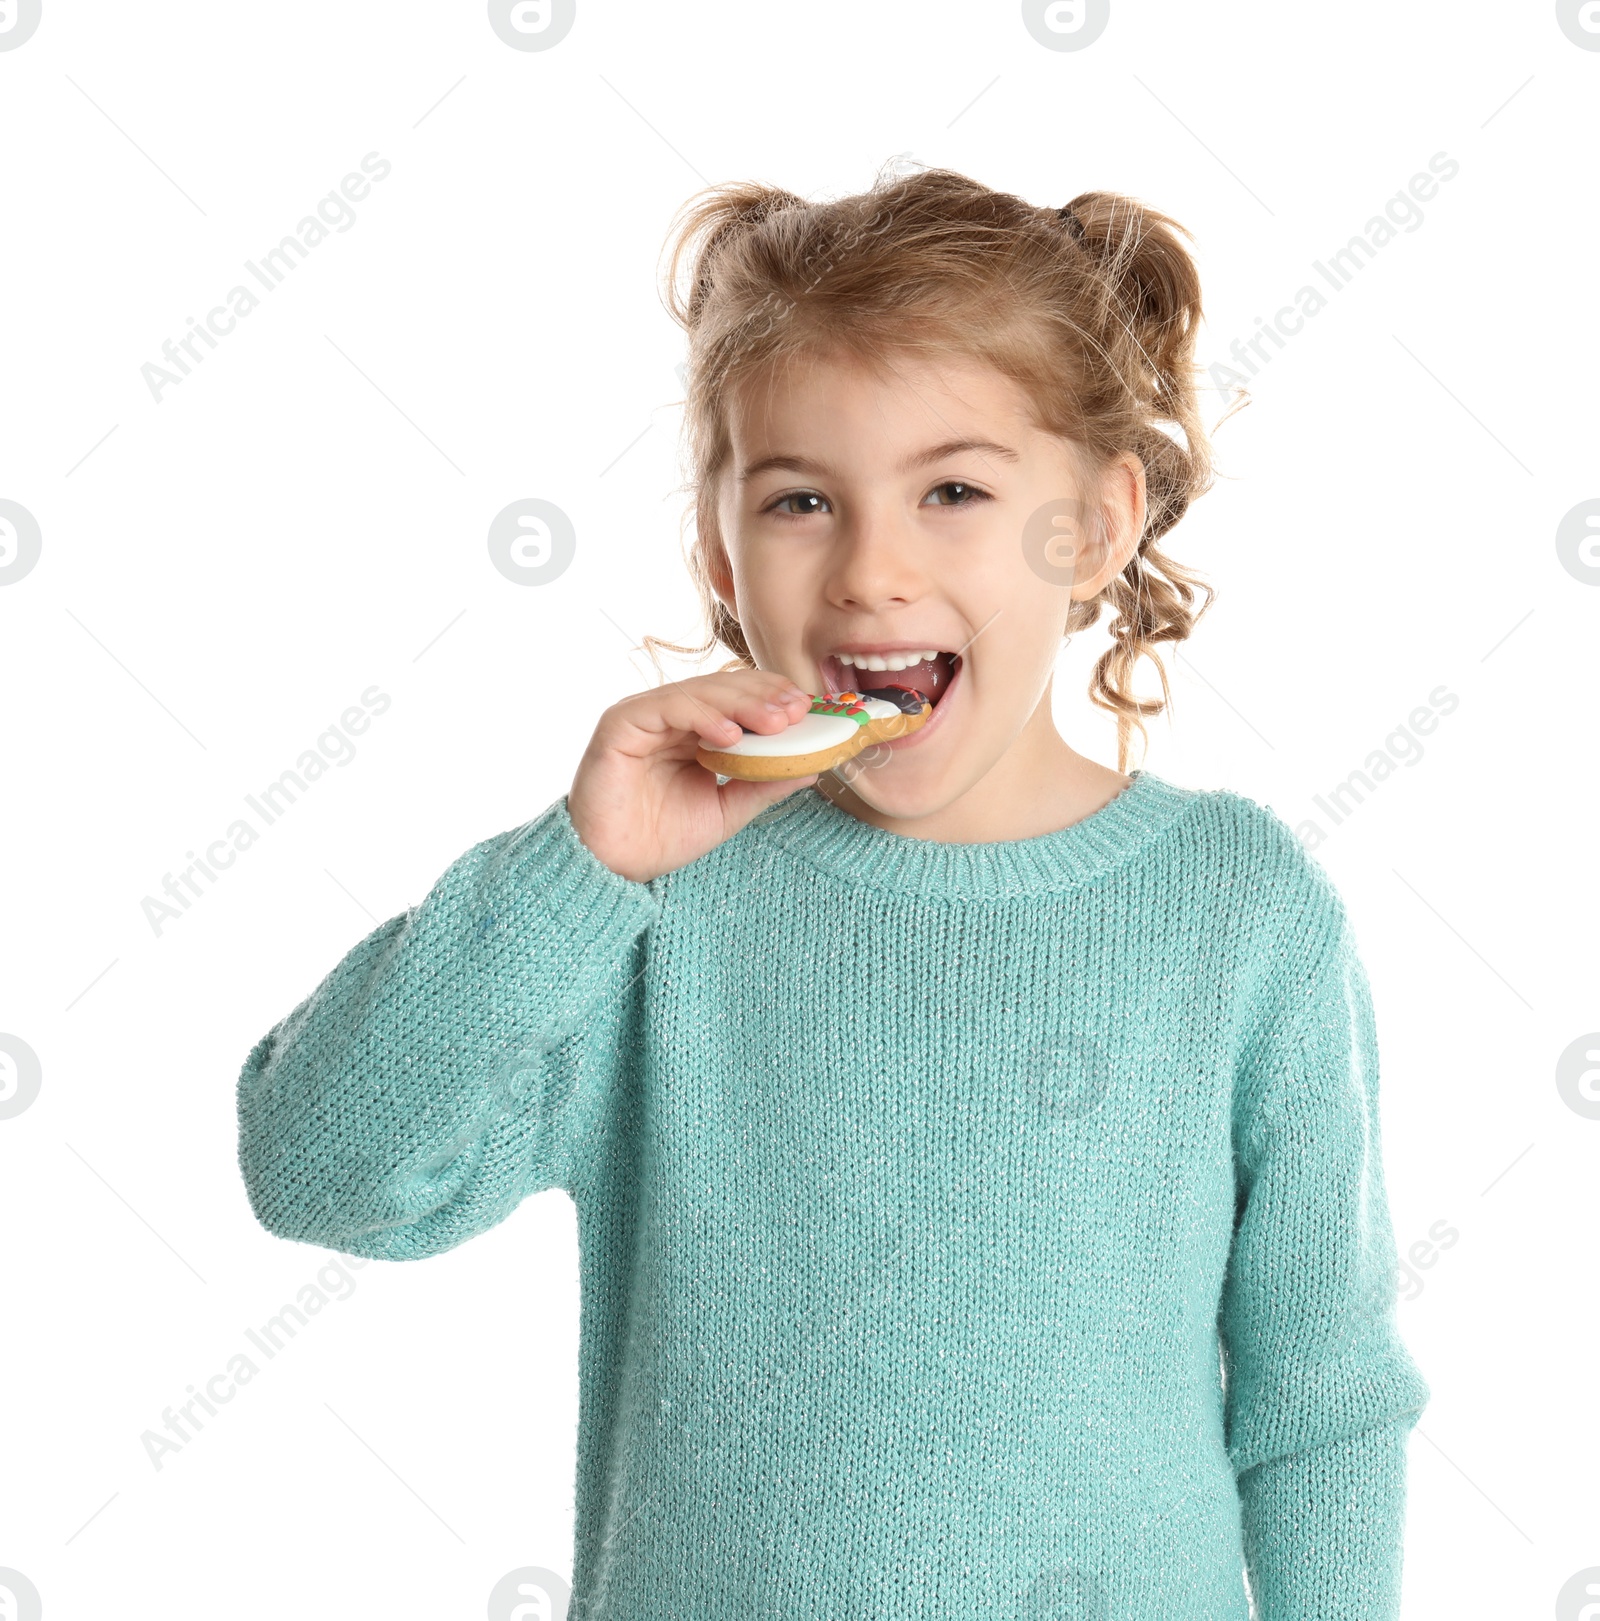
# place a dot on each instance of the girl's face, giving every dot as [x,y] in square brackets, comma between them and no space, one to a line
[869,521]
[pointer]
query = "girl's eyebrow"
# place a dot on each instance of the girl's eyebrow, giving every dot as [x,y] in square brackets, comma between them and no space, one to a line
[921,458]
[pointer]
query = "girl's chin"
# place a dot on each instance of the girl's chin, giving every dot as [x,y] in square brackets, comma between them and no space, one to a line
[908,778]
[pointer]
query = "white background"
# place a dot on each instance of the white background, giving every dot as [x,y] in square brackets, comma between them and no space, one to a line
[305,517]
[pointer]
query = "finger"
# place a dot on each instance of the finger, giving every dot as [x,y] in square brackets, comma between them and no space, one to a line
[713,709]
[752,697]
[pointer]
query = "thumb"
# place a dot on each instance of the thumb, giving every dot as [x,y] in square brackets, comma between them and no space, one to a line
[742,801]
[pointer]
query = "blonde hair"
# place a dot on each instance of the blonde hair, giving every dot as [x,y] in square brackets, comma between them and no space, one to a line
[1092,308]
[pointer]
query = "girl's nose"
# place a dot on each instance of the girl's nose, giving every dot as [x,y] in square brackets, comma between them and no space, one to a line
[875,564]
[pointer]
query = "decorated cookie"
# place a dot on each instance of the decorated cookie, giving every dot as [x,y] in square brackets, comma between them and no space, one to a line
[836,728]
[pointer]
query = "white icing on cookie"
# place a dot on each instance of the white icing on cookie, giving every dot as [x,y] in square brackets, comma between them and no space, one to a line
[811,734]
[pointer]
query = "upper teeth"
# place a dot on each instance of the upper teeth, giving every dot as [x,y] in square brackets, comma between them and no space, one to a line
[887,661]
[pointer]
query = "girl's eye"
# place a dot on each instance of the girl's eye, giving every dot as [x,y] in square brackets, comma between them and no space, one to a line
[967,493]
[803,497]
[807,503]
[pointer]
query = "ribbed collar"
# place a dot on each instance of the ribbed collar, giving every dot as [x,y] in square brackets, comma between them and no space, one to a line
[816,831]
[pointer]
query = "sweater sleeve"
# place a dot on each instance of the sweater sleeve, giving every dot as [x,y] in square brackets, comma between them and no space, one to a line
[446,1067]
[1321,1393]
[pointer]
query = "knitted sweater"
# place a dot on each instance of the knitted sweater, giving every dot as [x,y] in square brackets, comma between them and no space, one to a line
[965,1230]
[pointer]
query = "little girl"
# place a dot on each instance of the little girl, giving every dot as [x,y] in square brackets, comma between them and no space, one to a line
[976,1150]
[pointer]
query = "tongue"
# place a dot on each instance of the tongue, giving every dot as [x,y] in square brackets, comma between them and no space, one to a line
[928,679]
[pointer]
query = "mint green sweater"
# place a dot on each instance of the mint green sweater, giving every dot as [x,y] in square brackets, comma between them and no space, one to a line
[966,1230]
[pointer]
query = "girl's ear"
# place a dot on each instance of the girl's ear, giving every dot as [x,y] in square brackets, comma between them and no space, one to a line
[714,567]
[1121,515]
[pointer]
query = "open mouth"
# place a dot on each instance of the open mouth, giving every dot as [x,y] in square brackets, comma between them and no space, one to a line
[901,677]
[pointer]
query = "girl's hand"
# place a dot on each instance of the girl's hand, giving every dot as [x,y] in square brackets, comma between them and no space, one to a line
[643,804]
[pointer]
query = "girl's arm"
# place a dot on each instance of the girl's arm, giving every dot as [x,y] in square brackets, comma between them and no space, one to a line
[459,1057]
[451,1063]
[1321,1392]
